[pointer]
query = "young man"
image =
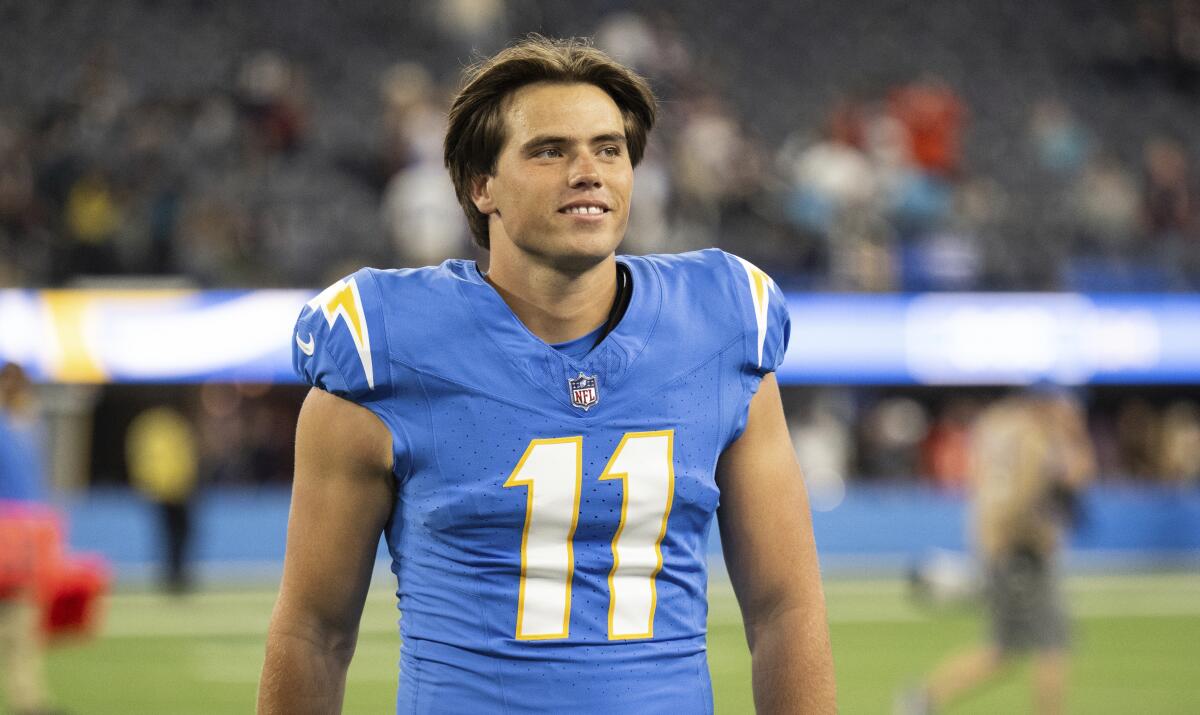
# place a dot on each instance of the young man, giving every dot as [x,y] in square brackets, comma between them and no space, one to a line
[544,445]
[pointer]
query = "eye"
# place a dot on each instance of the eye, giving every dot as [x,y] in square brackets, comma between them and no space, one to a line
[548,153]
[611,151]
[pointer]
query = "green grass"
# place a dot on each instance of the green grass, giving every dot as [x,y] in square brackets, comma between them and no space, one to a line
[1137,641]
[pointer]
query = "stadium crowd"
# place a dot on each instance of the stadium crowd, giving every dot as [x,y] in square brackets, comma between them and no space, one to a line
[264,170]
[222,144]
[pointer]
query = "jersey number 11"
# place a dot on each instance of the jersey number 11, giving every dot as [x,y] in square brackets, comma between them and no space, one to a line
[552,472]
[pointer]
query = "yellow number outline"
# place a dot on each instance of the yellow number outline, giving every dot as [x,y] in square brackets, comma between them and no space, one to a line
[607,474]
[513,481]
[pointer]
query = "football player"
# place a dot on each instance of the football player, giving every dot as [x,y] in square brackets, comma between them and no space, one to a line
[544,445]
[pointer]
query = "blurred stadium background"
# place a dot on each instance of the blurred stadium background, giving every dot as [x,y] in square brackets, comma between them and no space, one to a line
[959,196]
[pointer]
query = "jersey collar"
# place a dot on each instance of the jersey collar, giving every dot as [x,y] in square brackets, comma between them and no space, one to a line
[549,368]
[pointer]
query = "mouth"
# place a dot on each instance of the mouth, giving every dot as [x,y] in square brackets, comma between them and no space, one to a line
[585,208]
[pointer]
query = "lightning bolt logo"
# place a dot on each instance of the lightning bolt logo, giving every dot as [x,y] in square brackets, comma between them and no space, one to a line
[342,300]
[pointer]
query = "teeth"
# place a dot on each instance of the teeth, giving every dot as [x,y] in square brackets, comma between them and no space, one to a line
[587,210]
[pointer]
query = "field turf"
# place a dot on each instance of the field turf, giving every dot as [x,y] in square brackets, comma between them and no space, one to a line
[1137,644]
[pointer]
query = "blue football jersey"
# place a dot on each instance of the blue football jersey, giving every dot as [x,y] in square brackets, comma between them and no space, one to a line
[550,528]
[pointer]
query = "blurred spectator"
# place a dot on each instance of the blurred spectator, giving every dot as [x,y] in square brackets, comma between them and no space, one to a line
[419,206]
[1060,143]
[161,455]
[21,439]
[103,95]
[831,176]
[654,46]
[1181,443]
[945,451]
[92,216]
[479,26]
[1169,209]
[1168,190]
[1138,439]
[273,96]
[413,122]
[630,40]
[934,116]
[1030,458]
[823,441]
[1106,205]
[717,167]
[22,648]
[890,436]
[835,194]
[423,215]
[950,253]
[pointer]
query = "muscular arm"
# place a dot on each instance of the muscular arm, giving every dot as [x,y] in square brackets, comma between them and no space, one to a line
[341,498]
[766,531]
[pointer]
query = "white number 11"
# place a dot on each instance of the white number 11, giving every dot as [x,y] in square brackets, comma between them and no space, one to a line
[552,472]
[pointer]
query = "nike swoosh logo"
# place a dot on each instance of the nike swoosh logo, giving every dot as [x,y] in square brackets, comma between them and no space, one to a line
[306,348]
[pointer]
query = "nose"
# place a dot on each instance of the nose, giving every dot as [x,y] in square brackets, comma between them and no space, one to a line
[584,172]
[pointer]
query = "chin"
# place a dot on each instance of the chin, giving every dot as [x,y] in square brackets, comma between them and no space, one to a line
[578,252]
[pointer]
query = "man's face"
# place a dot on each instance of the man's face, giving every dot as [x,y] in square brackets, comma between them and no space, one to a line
[562,185]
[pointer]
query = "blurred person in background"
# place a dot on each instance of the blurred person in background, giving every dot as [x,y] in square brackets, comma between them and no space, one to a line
[946,448]
[834,192]
[1031,458]
[1139,440]
[419,208]
[1169,209]
[1181,444]
[162,458]
[21,462]
[890,437]
[22,646]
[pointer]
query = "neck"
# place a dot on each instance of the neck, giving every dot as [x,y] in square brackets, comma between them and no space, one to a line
[554,304]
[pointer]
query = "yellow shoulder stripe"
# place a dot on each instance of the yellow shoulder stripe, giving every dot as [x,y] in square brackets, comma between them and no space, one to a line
[759,284]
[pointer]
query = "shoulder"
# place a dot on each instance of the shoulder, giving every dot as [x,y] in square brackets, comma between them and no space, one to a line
[721,286]
[346,334]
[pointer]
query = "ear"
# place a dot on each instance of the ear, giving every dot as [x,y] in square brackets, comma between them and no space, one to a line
[481,194]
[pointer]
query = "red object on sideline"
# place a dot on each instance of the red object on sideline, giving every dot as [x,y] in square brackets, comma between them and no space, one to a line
[67,587]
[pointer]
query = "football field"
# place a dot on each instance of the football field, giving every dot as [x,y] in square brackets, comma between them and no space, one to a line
[1137,643]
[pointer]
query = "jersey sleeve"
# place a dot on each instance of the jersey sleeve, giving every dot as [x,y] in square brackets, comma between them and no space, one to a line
[340,342]
[764,313]
[765,325]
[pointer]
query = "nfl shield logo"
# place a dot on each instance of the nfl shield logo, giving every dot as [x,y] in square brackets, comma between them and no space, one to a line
[583,391]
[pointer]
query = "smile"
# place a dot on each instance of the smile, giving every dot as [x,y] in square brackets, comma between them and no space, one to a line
[584,210]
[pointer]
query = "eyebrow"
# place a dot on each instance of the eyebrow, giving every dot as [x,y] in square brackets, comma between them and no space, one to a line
[549,139]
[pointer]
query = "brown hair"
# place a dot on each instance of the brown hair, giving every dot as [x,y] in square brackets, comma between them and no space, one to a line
[476,130]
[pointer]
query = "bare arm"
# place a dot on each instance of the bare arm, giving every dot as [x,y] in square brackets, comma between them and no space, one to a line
[766,531]
[341,498]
